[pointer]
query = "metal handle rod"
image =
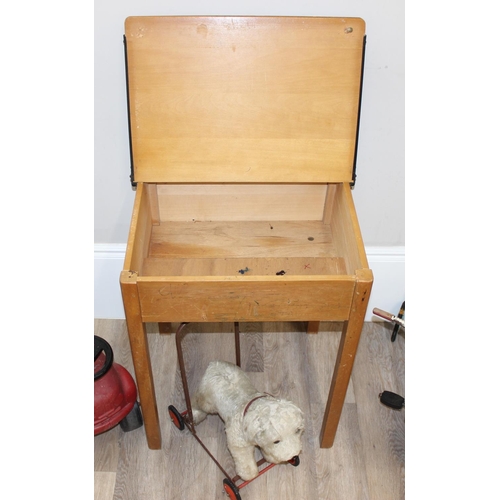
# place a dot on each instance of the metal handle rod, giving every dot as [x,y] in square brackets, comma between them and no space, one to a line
[182,368]
[237,343]
[389,317]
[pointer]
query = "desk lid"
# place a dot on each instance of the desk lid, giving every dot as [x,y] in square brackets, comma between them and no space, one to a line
[244,99]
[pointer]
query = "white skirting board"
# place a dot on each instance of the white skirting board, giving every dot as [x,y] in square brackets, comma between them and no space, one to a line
[387,264]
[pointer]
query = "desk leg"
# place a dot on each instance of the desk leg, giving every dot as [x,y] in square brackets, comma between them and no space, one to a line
[165,327]
[142,363]
[312,326]
[349,341]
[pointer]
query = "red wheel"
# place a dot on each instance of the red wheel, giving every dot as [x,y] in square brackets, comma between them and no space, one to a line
[176,417]
[231,490]
[294,461]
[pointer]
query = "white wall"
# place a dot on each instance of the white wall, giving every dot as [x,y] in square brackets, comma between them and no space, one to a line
[379,190]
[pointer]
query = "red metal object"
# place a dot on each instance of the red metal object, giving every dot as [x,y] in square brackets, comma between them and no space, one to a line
[115,392]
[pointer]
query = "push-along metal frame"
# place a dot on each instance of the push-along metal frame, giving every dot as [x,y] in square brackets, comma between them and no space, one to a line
[187,415]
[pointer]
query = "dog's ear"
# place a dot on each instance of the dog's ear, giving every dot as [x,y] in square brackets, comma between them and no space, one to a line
[254,424]
[267,435]
[258,427]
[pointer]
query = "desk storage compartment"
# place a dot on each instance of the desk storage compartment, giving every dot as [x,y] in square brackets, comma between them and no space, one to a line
[245,252]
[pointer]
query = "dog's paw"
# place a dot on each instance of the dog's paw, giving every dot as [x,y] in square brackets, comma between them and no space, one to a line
[244,459]
[198,416]
[247,472]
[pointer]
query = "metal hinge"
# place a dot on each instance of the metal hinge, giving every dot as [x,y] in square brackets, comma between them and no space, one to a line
[132,181]
[353,182]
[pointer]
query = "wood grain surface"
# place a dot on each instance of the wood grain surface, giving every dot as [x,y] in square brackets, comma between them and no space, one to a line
[244,99]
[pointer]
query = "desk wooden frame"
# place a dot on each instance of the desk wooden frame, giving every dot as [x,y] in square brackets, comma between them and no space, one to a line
[260,226]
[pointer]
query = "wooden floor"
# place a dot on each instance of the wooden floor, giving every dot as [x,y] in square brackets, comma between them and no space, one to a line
[367,460]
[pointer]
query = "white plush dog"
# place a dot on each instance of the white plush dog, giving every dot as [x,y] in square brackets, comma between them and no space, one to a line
[251,418]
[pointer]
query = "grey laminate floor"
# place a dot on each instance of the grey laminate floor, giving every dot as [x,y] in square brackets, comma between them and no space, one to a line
[367,460]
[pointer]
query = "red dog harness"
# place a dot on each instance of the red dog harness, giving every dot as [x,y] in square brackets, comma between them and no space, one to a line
[254,399]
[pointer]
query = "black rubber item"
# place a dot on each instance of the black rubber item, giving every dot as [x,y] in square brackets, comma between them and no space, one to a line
[231,490]
[101,345]
[294,461]
[133,420]
[176,417]
[401,314]
[392,400]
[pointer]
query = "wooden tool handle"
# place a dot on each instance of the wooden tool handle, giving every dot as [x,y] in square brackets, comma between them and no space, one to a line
[383,314]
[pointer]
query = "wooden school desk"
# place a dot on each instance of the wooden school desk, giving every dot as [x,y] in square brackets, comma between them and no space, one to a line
[243,137]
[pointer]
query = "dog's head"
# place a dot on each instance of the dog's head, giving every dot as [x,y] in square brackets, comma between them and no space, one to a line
[276,427]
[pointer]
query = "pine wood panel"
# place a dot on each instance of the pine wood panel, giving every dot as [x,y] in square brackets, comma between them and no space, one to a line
[366,461]
[139,232]
[242,239]
[244,99]
[246,202]
[247,266]
[269,298]
[345,228]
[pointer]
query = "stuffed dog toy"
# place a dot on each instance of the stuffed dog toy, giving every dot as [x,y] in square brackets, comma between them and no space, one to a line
[251,418]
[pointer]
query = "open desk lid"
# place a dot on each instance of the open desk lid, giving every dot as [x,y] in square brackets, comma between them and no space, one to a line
[244,99]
